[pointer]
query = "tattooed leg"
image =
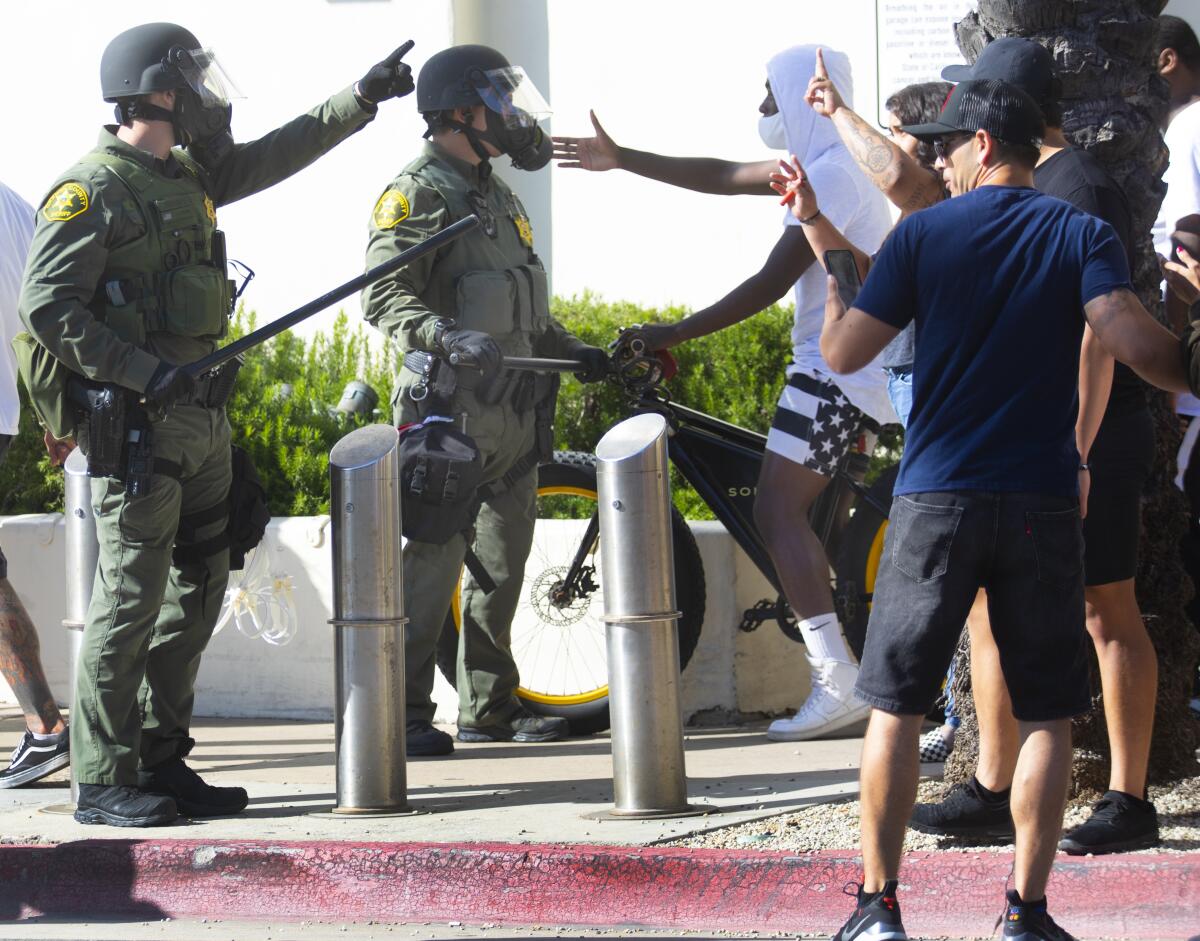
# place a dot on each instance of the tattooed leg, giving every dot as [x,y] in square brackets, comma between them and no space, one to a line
[21,664]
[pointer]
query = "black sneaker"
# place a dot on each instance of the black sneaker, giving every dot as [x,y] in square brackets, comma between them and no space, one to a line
[195,798]
[422,740]
[966,811]
[521,726]
[119,805]
[32,760]
[1119,822]
[1028,921]
[876,916]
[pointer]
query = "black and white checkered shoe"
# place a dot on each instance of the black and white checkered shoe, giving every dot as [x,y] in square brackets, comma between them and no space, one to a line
[33,760]
[935,745]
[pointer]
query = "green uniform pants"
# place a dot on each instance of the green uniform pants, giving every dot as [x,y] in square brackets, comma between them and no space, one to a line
[487,675]
[149,620]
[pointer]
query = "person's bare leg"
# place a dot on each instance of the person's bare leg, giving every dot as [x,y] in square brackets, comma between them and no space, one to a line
[998,737]
[888,783]
[1129,678]
[1039,796]
[786,492]
[21,665]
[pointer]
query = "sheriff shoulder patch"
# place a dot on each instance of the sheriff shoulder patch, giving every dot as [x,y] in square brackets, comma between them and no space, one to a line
[210,209]
[391,208]
[66,202]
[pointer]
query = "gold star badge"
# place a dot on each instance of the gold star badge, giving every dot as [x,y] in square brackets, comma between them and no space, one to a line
[524,231]
[210,209]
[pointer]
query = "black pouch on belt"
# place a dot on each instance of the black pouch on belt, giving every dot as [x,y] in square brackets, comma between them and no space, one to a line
[246,514]
[440,473]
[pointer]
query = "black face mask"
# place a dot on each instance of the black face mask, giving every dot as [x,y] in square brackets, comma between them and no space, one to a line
[205,131]
[529,147]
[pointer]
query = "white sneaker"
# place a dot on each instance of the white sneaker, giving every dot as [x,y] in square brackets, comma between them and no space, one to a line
[830,706]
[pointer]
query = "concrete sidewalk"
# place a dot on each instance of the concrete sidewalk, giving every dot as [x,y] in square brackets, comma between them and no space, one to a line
[507,835]
[503,792]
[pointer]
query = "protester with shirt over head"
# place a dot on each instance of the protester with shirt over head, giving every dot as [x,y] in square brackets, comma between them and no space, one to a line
[999,281]
[817,419]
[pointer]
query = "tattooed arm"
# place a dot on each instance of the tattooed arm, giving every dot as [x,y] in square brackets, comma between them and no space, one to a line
[898,176]
[1127,331]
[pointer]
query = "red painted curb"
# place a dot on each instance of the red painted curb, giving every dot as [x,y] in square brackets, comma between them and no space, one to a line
[1134,897]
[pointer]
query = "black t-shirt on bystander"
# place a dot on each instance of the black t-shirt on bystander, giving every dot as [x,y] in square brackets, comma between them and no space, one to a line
[1075,176]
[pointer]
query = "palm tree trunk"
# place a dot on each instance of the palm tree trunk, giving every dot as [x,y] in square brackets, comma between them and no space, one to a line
[1113,103]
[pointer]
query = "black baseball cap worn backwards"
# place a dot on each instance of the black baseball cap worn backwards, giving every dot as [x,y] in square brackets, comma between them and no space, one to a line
[1003,110]
[1020,62]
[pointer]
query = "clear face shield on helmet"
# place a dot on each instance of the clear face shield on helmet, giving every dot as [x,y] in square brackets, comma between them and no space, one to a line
[205,75]
[510,94]
[203,108]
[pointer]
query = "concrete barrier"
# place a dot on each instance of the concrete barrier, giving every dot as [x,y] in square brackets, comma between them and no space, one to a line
[247,678]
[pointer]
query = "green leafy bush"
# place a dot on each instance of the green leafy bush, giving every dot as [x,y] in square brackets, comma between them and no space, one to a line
[281,411]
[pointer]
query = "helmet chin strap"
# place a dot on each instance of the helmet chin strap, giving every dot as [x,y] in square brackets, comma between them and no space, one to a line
[149,112]
[474,138]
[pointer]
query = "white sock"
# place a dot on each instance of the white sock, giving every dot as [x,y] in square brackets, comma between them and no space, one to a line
[45,736]
[823,638]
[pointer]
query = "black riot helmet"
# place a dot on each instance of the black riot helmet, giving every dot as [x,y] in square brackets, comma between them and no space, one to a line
[136,61]
[465,76]
[156,57]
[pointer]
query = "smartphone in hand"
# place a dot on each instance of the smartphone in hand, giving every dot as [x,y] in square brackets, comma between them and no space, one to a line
[840,263]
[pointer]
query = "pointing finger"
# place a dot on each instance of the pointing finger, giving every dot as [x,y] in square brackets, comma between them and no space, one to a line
[399,53]
[821,70]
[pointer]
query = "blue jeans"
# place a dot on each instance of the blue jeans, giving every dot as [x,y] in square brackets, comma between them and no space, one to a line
[899,389]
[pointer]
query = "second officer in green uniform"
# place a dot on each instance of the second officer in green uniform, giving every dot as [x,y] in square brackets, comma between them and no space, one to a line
[125,282]
[482,298]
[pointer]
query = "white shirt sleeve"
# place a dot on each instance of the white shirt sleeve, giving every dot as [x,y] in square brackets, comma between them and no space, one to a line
[1182,176]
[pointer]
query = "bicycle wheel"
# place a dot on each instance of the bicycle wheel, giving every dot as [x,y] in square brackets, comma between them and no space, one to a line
[858,561]
[560,648]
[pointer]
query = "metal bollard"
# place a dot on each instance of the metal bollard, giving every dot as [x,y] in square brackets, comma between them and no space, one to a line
[83,554]
[649,779]
[368,619]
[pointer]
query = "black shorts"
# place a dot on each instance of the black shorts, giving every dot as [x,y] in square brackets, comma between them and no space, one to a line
[1121,460]
[1026,550]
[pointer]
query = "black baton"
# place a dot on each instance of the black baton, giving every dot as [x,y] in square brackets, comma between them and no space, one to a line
[208,363]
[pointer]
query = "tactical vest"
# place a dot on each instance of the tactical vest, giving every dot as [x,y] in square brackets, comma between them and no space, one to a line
[172,278]
[509,301]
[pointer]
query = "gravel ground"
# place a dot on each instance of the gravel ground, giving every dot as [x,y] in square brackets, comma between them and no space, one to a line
[835,826]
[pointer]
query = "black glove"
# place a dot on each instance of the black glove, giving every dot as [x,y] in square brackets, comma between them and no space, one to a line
[472,348]
[391,78]
[168,385]
[596,364]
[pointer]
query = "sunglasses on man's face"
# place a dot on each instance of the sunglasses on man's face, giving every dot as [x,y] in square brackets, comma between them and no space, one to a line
[943,147]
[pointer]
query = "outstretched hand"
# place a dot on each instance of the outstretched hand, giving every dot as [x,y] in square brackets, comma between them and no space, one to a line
[791,182]
[822,95]
[587,153]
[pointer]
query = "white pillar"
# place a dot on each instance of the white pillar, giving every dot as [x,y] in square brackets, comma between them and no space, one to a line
[520,29]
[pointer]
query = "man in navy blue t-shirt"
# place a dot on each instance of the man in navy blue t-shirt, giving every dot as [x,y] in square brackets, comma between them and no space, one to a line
[999,281]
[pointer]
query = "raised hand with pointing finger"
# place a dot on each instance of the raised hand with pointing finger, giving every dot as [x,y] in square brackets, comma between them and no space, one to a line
[822,95]
[390,78]
[588,153]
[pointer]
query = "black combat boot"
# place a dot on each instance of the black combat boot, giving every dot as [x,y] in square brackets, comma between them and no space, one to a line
[119,805]
[195,798]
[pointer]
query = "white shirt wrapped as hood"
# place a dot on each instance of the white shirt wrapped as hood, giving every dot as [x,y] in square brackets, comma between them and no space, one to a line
[847,198]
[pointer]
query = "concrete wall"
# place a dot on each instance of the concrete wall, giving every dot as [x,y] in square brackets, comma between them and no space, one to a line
[244,677]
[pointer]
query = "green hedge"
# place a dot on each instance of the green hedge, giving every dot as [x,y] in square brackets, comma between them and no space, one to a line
[281,409]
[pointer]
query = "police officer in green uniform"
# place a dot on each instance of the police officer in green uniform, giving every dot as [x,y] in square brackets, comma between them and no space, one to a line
[125,282]
[479,300]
